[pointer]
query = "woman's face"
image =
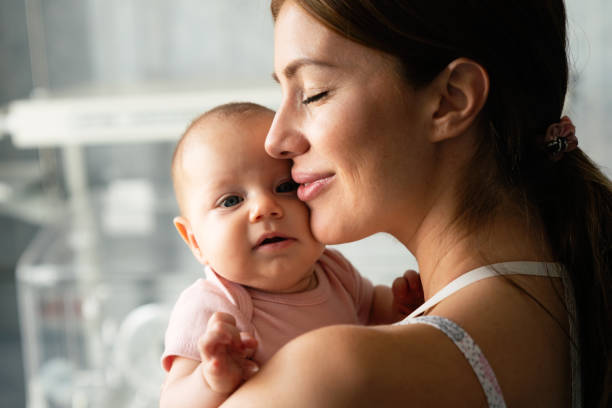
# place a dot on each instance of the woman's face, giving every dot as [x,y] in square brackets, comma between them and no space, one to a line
[354,128]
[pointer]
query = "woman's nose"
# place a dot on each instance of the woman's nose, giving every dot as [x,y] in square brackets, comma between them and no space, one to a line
[265,206]
[284,139]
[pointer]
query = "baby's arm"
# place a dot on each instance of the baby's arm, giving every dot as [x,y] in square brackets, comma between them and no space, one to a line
[225,364]
[391,304]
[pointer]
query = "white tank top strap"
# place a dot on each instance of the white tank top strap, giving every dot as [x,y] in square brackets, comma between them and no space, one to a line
[489,271]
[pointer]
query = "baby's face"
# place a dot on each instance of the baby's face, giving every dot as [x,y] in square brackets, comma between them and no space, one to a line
[242,207]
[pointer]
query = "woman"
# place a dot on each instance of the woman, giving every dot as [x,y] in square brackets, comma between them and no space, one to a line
[439,122]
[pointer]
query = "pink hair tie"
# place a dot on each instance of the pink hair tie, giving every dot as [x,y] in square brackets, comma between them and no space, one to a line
[560,138]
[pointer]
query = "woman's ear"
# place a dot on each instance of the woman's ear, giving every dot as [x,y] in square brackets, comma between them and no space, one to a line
[184,229]
[462,90]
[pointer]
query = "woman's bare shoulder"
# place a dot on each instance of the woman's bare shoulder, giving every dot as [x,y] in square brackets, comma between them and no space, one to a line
[356,366]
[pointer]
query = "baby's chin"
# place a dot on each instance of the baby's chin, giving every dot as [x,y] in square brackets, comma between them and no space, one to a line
[301,284]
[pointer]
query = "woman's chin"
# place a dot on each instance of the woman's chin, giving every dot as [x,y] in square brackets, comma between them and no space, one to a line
[330,228]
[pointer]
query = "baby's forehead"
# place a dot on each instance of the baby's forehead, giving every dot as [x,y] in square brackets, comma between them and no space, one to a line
[223,135]
[224,142]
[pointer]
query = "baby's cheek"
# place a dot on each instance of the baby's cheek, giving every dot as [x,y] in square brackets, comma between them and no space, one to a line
[300,209]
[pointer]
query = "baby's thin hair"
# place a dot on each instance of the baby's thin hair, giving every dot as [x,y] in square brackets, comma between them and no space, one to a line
[227,111]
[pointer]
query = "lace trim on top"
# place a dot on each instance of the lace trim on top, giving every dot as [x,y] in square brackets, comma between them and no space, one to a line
[468,347]
[472,353]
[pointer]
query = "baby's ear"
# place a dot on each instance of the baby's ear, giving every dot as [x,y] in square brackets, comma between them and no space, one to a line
[184,229]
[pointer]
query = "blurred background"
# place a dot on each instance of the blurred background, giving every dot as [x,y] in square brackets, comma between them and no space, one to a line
[93,96]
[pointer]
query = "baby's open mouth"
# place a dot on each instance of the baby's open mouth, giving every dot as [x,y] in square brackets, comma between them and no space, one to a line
[272,240]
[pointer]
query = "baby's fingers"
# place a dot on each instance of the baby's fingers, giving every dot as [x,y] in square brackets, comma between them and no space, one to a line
[222,374]
[249,369]
[249,344]
[223,317]
[219,337]
[414,280]
[400,287]
[408,287]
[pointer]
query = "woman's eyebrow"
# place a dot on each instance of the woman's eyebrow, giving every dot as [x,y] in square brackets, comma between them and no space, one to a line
[291,69]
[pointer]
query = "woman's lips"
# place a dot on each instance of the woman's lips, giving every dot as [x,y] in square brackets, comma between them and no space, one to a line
[311,185]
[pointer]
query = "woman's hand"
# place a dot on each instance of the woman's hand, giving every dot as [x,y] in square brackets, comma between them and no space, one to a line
[226,353]
[407,293]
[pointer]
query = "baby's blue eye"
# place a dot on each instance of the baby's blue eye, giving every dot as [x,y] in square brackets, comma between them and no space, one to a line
[287,187]
[231,201]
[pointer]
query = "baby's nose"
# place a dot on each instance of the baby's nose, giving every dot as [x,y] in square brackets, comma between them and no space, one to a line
[265,206]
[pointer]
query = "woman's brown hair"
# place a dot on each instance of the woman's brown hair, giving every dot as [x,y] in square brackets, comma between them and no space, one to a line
[522,46]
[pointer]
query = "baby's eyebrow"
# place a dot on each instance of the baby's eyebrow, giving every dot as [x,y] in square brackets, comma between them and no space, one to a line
[214,186]
[292,68]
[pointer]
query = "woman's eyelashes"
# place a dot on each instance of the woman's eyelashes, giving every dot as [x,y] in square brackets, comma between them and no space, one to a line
[231,201]
[315,97]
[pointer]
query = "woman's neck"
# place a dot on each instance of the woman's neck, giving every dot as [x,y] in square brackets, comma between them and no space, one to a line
[446,252]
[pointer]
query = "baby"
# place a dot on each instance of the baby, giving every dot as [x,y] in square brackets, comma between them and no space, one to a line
[267,279]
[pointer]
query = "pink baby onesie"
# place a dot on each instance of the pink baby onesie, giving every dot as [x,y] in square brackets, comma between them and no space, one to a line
[342,296]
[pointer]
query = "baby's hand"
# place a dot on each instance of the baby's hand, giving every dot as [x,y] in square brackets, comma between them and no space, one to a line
[225,353]
[407,293]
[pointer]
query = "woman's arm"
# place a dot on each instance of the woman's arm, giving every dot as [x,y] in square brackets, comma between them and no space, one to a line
[352,366]
[303,373]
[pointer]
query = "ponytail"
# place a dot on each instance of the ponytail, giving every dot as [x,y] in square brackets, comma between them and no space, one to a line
[578,223]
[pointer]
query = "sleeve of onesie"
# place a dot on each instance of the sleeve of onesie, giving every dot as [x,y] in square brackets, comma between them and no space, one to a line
[189,318]
[359,287]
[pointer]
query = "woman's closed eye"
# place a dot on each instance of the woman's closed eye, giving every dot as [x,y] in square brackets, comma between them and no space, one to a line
[231,201]
[287,187]
[315,97]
